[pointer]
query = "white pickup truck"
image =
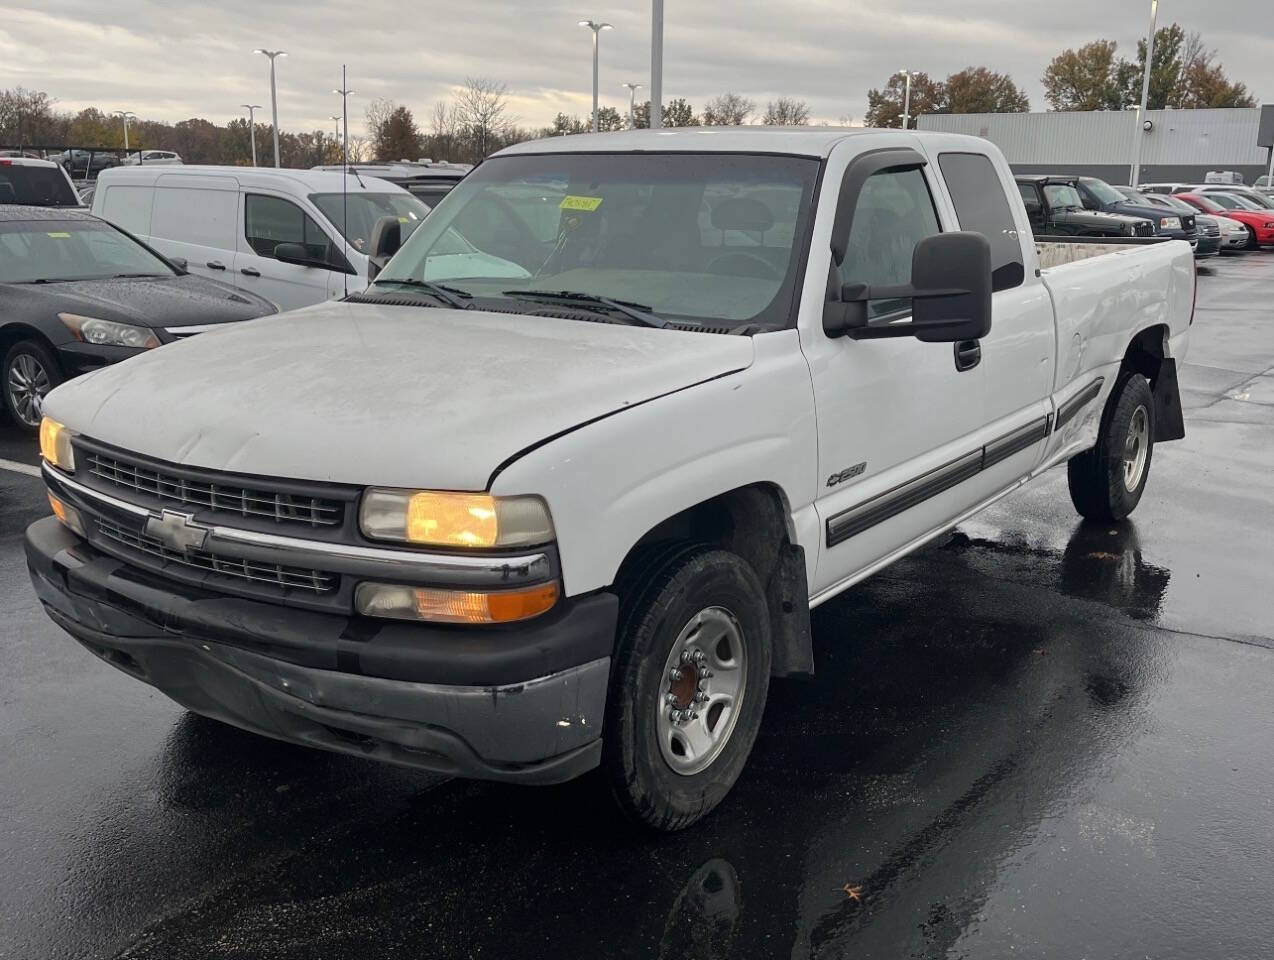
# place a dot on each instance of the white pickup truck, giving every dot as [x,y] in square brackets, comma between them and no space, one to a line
[560,489]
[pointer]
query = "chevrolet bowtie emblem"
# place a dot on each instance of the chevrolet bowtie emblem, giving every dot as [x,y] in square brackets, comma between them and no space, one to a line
[176,531]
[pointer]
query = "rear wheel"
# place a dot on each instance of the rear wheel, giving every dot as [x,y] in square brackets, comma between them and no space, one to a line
[689,685]
[30,372]
[1106,482]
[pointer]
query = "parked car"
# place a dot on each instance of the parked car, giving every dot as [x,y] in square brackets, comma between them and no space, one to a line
[36,183]
[1252,197]
[1055,208]
[1264,185]
[650,399]
[165,158]
[77,293]
[427,181]
[1259,222]
[1230,177]
[87,164]
[1207,229]
[276,233]
[1234,235]
[1099,195]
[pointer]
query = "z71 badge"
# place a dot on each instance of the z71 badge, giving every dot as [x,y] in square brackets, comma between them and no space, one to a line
[854,471]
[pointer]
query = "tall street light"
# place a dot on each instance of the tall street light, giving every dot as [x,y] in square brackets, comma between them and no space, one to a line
[1139,131]
[632,103]
[125,115]
[337,121]
[344,94]
[274,97]
[597,28]
[906,98]
[252,109]
[656,63]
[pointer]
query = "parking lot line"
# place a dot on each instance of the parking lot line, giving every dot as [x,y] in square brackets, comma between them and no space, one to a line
[14,467]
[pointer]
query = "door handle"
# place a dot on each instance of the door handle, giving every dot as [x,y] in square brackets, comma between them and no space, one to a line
[215,265]
[968,354]
[250,271]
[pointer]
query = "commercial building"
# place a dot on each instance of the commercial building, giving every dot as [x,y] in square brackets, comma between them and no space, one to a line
[1178,144]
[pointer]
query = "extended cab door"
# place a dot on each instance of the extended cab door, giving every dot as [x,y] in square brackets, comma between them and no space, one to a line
[268,221]
[913,435]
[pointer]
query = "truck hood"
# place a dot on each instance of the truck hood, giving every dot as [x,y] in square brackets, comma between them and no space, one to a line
[388,395]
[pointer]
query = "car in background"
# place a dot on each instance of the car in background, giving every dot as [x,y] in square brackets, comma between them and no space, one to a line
[36,183]
[1055,208]
[1264,185]
[152,158]
[1259,222]
[87,164]
[424,179]
[1252,195]
[275,233]
[1234,235]
[1100,195]
[77,293]
[1207,229]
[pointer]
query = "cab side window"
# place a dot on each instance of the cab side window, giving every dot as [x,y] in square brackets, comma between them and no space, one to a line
[895,212]
[270,221]
[982,207]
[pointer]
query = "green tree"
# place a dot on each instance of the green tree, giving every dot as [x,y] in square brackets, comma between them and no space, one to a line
[884,106]
[979,90]
[565,124]
[608,119]
[728,110]
[1085,79]
[679,113]
[397,137]
[787,112]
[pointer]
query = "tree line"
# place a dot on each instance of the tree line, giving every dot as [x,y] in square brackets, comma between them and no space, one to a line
[476,120]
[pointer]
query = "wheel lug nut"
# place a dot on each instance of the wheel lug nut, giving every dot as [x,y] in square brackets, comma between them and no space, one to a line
[694,715]
[670,698]
[685,656]
[698,656]
[675,675]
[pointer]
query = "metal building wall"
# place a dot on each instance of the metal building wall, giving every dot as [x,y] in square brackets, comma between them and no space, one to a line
[1183,145]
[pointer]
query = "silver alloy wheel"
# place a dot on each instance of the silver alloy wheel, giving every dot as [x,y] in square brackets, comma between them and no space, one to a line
[702,690]
[28,383]
[1136,448]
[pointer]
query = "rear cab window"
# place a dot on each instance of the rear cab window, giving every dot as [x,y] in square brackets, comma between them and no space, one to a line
[982,207]
[36,186]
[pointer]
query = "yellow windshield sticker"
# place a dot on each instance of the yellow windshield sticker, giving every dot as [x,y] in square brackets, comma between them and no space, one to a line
[60,236]
[581,203]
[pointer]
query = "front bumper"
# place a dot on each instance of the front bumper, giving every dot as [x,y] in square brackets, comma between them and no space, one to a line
[78,357]
[1208,247]
[522,704]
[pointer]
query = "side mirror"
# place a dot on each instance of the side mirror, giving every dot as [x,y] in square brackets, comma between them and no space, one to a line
[297,254]
[950,291]
[387,237]
[181,263]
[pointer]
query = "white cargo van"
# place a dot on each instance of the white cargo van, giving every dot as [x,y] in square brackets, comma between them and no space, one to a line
[275,233]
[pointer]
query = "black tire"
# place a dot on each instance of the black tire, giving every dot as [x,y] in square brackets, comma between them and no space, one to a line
[1098,481]
[24,357]
[679,583]
[1252,242]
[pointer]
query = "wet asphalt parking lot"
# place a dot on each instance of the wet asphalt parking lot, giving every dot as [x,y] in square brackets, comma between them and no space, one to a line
[1033,738]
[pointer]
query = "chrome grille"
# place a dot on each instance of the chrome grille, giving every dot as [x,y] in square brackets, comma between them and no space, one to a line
[235,568]
[228,497]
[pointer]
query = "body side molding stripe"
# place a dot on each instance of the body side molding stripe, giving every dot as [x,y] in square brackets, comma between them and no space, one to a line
[1067,411]
[853,521]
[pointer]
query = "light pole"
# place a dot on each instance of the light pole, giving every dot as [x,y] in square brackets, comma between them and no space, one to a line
[906,97]
[274,98]
[632,102]
[597,28]
[125,115]
[337,135]
[345,95]
[1138,132]
[656,63]
[252,109]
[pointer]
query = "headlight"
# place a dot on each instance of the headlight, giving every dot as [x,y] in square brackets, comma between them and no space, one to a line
[109,332]
[55,444]
[1170,223]
[443,519]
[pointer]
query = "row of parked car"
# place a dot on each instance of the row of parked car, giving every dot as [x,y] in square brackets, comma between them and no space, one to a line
[1212,218]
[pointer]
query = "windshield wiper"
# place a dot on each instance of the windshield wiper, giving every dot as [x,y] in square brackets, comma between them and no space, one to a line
[451,296]
[131,276]
[634,311]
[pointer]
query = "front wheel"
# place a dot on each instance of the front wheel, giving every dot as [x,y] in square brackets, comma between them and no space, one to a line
[1106,482]
[689,686]
[30,372]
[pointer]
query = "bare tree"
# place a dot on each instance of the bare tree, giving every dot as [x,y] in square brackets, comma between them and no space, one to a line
[482,108]
[358,148]
[787,112]
[444,128]
[728,110]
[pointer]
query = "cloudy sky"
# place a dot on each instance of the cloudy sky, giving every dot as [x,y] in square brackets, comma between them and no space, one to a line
[173,60]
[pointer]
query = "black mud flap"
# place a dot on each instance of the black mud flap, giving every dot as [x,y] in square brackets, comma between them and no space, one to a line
[787,594]
[1169,421]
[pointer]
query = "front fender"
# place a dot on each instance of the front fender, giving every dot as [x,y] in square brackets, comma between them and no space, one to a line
[610,482]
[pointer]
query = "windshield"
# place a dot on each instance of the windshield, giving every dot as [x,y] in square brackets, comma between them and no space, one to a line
[72,250]
[1231,202]
[714,239]
[365,209]
[1061,197]
[1102,190]
[1256,200]
[37,186]
[1176,204]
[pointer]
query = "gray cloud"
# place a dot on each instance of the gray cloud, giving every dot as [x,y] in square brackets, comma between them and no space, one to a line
[176,60]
